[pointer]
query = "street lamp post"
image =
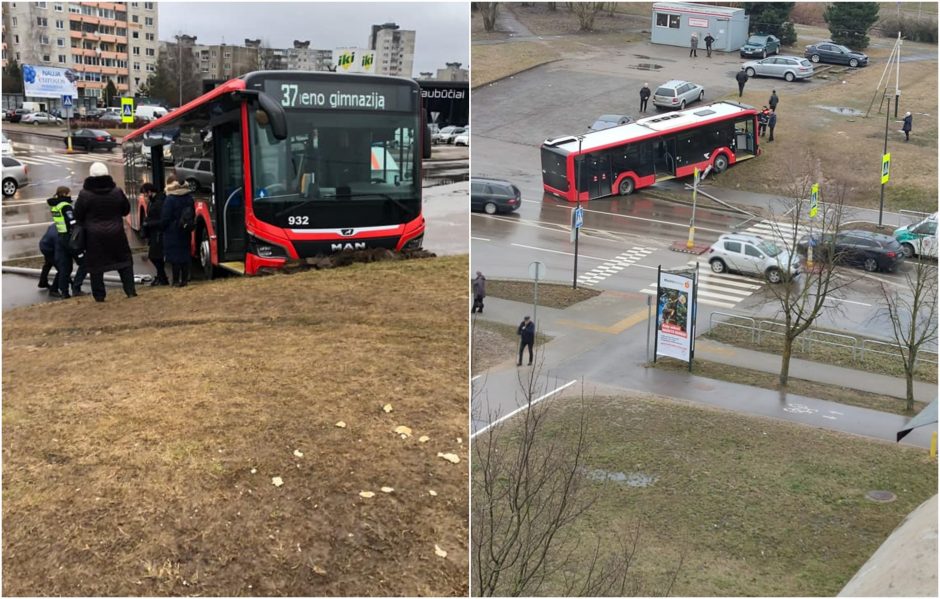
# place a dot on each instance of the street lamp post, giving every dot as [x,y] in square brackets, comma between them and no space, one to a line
[577,191]
[881,205]
[179,70]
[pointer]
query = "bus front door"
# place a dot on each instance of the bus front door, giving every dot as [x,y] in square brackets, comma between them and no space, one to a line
[230,193]
[664,157]
[599,173]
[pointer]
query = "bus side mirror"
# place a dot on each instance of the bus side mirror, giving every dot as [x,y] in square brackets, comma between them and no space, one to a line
[276,115]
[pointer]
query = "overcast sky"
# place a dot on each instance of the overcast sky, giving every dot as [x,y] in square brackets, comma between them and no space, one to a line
[442,29]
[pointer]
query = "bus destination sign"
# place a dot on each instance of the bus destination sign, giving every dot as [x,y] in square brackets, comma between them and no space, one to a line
[324,95]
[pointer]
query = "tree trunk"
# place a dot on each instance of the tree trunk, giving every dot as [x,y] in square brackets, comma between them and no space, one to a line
[909,379]
[552,6]
[785,360]
[489,11]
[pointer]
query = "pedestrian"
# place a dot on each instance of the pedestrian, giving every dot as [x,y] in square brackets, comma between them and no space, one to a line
[709,40]
[762,118]
[693,51]
[101,208]
[771,123]
[526,334]
[153,228]
[906,128]
[773,101]
[644,96]
[741,76]
[47,248]
[64,220]
[177,239]
[479,292]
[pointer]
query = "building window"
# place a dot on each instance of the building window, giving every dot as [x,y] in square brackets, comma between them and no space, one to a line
[74,9]
[58,7]
[14,21]
[148,5]
[136,51]
[16,38]
[135,19]
[664,19]
[40,5]
[60,42]
[135,35]
[60,24]
[148,21]
[63,58]
[42,21]
[44,40]
[46,58]
[151,68]
[150,37]
[136,66]
[151,52]
[227,55]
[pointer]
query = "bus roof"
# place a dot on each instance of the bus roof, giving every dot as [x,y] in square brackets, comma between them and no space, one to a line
[650,126]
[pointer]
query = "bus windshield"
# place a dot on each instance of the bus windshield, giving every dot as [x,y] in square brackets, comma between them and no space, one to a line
[336,170]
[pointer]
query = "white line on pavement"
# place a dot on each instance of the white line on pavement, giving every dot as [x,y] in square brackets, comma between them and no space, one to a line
[519,409]
[640,218]
[476,377]
[580,255]
[480,238]
[835,299]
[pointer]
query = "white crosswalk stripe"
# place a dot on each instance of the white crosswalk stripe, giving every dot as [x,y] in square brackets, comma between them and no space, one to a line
[63,159]
[613,266]
[776,230]
[720,291]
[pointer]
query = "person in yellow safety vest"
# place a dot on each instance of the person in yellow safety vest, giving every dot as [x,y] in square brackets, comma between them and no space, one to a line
[63,217]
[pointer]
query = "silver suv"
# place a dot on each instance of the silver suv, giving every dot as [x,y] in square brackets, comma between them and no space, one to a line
[752,255]
[676,94]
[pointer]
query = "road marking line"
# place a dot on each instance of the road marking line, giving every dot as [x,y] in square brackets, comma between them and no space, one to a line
[480,238]
[476,377]
[705,301]
[521,408]
[639,218]
[707,285]
[5,227]
[835,299]
[580,255]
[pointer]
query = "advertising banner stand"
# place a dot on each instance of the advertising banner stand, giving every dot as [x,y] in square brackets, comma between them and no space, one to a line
[676,311]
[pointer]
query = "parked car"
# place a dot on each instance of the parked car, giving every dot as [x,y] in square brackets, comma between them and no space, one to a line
[760,45]
[606,121]
[15,175]
[448,137]
[6,146]
[787,67]
[149,113]
[919,239]
[109,118]
[871,251]
[44,118]
[463,139]
[17,115]
[752,255]
[437,138]
[91,139]
[494,195]
[677,93]
[832,52]
[196,172]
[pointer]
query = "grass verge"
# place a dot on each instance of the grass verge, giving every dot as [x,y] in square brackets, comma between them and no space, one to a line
[494,343]
[753,506]
[492,62]
[551,295]
[142,437]
[827,354]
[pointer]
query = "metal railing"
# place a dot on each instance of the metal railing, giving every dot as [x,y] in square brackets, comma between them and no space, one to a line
[752,328]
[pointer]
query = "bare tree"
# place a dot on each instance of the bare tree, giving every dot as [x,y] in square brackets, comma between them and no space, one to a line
[489,11]
[529,493]
[913,315]
[552,6]
[586,12]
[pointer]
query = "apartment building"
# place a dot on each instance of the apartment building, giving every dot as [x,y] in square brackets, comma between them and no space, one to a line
[100,41]
[394,49]
[453,72]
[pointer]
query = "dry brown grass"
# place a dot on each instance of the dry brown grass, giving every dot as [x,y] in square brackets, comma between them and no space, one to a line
[626,16]
[495,343]
[131,430]
[492,62]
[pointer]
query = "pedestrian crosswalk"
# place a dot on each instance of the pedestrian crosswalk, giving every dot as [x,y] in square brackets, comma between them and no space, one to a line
[56,159]
[719,290]
[613,266]
[778,231]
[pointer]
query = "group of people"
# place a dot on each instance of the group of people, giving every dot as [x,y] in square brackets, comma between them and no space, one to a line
[102,246]
[525,330]
[767,118]
[709,40]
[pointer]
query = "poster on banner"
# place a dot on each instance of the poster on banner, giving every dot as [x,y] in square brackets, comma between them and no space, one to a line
[675,315]
[49,82]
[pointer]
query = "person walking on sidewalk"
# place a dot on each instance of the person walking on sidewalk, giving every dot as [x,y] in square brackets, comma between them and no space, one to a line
[771,123]
[479,292]
[644,96]
[774,100]
[693,51]
[709,40]
[906,128]
[741,76]
[526,332]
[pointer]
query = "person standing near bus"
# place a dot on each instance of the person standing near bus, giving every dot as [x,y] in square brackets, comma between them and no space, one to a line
[762,119]
[153,227]
[176,238]
[645,94]
[774,100]
[771,123]
[479,292]
[741,76]
[693,51]
[63,217]
[101,208]
[709,40]
[47,247]
[526,332]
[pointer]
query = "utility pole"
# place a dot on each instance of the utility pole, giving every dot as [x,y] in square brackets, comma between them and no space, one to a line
[577,191]
[881,205]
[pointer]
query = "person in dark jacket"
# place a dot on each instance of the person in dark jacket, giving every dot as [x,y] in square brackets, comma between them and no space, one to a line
[526,332]
[693,50]
[47,247]
[64,220]
[774,100]
[771,123]
[479,292]
[153,228]
[644,96]
[762,118]
[709,40]
[101,208]
[906,127]
[176,242]
[741,76]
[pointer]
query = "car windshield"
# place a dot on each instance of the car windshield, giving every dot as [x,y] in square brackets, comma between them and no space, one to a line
[756,40]
[666,91]
[769,248]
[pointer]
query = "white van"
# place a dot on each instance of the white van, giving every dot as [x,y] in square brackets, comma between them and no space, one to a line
[919,239]
[149,113]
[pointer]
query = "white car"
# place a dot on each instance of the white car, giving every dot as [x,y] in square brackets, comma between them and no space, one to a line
[6,146]
[752,255]
[438,137]
[463,139]
[36,118]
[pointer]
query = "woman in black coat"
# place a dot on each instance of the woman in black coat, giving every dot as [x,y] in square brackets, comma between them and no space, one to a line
[100,209]
[177,244]
[153,228]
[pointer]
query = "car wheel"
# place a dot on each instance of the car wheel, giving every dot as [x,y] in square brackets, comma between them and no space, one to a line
[721,163]
[205,255]
[718,265]
[750,72]
[814,57]
[853,63]
[36,123]
[908,250]
[701,96]
[789,76]
[193,184]
[489,208]
[870,264]
[682,105]
[9,187]
[627,186]
[774,275]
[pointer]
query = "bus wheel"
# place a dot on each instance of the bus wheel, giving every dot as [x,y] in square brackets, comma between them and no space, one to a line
[205,255]
[721,163]
[627,186]
[908,250]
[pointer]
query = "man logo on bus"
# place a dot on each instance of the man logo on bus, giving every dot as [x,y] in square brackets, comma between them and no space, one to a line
[347,232]
[342,247]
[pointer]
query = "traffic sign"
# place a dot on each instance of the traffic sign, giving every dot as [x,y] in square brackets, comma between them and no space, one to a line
[578,217]
[537,270]
[885,168]
[814,201]
[127,110]
[66,101]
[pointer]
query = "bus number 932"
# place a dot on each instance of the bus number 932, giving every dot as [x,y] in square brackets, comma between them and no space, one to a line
[298,220]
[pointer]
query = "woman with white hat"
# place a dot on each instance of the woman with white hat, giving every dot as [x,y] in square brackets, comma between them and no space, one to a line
[101,208]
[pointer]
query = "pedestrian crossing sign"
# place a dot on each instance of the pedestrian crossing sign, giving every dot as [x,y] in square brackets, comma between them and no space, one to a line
[127,110]
[814,201]
[66,101]
[885,168]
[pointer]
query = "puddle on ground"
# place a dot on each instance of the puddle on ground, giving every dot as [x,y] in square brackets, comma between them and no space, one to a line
[842,110]
[647,66]
[631,479]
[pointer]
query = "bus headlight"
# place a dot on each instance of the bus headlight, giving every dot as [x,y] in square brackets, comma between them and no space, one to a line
[265,249]
[414,244]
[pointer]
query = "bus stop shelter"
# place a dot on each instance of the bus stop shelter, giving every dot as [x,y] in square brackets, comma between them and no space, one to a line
[675,22]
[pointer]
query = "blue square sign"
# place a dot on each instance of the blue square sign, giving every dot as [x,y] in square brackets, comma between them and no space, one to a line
[66,101]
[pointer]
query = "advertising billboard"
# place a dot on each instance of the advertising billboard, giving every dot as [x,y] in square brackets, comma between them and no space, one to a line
[354,60]
[49,82]
[675,315]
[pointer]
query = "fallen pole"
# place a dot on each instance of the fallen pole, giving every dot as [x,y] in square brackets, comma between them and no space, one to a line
[108,278]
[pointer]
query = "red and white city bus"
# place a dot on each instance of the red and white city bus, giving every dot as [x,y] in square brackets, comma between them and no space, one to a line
[625,158]
[288,165]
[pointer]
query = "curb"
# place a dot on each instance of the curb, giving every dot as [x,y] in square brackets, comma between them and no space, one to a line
[535,66]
